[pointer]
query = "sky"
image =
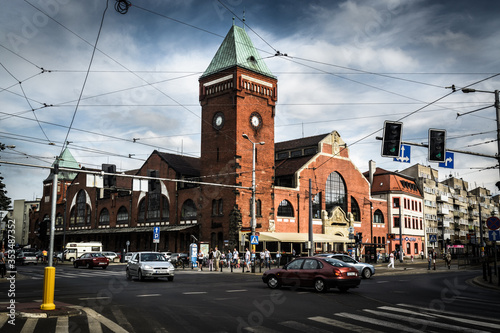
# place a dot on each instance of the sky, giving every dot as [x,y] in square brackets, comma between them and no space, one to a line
[114,87]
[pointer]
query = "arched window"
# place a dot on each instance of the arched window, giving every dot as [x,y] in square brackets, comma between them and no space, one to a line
[188,211]
[378,217]
[104,217]
[141,215]
[82,209]
[59,220]
[153,205]
[317,206]
[356,213]
[165,209]
[285,209]
[335,192]
[122,216]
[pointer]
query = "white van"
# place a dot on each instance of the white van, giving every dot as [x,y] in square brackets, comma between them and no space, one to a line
[75,250]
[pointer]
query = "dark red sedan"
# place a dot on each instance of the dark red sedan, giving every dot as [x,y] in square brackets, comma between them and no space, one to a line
[91,260]
[319,273]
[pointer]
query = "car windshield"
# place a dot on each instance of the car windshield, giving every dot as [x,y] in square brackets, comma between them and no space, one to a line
[152,257]
[336,263]
[95,255]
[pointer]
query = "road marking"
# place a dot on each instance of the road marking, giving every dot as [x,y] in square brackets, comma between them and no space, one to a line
[410,312]
[342,324]
[236,290]
[378,322]
[3,319]
[29,325]
[148,295]
[62,324]
[103,320]
[302,327]
[92,298]
[450,314]
[423,322]
[121,319]
[194,292]
[259,329]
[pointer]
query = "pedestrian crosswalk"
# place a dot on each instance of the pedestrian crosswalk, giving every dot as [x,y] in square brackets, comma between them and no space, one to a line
[76,274]
[397,318]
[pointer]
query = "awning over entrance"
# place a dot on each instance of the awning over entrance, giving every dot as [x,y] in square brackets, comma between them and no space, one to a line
[297,238]
[103,231]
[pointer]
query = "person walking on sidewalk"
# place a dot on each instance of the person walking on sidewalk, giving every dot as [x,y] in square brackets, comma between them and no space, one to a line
[391,260]
[448,259]
[217,256]
[429,259]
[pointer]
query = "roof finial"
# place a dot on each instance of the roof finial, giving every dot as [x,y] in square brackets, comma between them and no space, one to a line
[243,18]
[233,20]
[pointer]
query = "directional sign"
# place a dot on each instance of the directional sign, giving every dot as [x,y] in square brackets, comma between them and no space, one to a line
[404,154]
[449,161]
[254,240]
[432,238]
[493,223]
[156,234]
[494,235]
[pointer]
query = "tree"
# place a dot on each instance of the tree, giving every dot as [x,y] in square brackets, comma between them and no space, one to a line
[5,201]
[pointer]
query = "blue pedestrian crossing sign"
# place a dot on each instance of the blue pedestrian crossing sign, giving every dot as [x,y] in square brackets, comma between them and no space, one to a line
[404,154]
[449,161]
[254,240]
[156,234]
[432,238]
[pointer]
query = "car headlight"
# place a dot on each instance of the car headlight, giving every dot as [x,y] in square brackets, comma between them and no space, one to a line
[147,267]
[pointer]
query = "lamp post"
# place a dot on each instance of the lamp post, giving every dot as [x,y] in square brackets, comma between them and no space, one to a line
[253,186]
[497,108]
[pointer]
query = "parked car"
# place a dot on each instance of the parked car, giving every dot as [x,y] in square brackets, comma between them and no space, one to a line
[177,259]
[110,255]
[321,273]
[149,264]
[91,260]
[167,255]
[366,270]
[127,256]
[26,257]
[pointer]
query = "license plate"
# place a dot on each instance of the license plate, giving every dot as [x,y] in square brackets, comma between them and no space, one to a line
[351,274]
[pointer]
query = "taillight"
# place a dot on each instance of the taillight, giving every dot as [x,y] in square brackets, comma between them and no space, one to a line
[337,272]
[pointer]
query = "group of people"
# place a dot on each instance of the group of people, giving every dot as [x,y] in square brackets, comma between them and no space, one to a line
[216,257]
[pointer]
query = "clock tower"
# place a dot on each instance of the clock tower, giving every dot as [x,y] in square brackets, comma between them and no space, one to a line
[238,95]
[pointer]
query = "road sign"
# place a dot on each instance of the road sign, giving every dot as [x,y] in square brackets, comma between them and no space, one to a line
[494,235]
[156,234]
[351,230]
[404,154]
[493,223]
[432,238]
[449,161]
[254,240]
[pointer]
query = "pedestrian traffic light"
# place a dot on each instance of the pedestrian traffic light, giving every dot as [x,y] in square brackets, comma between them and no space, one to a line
[109,180]
[391,140]
[437,145]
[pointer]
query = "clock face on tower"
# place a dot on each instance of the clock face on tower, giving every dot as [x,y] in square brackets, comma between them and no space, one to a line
[256,120]
[218,120]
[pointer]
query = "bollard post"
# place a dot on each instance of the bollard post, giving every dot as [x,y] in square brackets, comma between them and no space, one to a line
[48,289]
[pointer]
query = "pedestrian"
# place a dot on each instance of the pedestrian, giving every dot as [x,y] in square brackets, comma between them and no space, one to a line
[391,260]
[200,260]
[211,260]
[262,258]
[434,257]
[247,259]
[429,259]
[412,258]
[236,258]
[229,258]
[267,258]
[293,252]
[44,254]
[422,254]
[448,259]
[217,256]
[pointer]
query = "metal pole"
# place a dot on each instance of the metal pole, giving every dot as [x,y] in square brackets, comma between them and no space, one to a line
[311,239]
[53,214]
[400,230]
[497,107]
[252,256]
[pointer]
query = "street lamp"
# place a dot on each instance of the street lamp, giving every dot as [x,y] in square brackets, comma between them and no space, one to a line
[497,108]
[253,183]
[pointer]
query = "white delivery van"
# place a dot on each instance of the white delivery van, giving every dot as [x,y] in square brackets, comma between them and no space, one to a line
[75,250]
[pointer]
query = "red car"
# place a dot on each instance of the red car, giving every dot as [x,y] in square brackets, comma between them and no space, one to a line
[317,272]
[91,260]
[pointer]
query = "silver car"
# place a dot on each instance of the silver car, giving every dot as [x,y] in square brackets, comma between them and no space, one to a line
[365,270]
[149,264]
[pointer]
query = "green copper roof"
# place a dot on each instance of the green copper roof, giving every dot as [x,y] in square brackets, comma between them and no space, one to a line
[66,160]
[237,50]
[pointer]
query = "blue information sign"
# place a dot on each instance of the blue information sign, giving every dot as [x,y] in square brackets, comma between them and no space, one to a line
[404,154]
[156,234]
[449,161]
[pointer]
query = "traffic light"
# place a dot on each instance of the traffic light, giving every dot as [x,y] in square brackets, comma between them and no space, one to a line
[391,140]
[109,180]
[437,145]
[153,184]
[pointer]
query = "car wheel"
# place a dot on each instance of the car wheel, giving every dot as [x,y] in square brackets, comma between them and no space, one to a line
[139,275]
[320,286]
[88,266]
[71,259]
[343,289]
[127,274]
[273,282]
[170,278]
[75,265]
[104,267]
[367,273]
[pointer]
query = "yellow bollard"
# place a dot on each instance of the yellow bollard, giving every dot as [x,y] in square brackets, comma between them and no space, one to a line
[48,289]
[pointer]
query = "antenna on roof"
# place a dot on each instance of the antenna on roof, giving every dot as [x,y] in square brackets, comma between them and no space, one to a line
[233,20]
[243,19]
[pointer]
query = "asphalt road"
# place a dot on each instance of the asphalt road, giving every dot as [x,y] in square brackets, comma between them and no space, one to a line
[240,302]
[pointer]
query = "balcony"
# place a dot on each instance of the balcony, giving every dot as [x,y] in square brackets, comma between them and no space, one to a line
[442,198]
[443,210]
